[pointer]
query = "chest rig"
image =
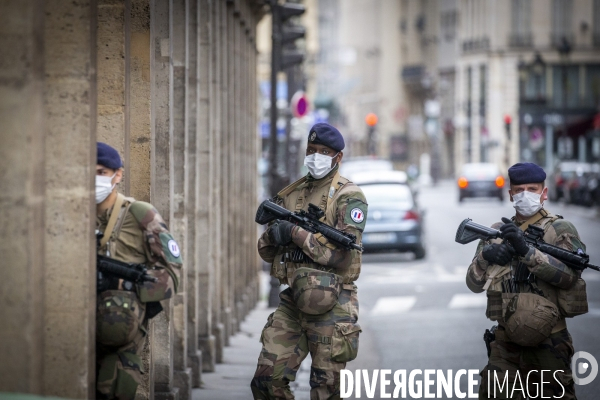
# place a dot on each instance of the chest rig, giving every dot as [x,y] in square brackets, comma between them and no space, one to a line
[296,197]
[505,282]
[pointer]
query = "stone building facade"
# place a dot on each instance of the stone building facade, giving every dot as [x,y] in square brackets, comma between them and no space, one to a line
[172,85]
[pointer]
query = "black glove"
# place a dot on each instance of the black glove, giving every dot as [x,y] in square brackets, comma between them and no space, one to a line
[514,235]
[281,232]
[499,254]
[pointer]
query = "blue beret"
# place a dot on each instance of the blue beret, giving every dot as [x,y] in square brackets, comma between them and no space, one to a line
[326,135]
[108,157]
[521,173]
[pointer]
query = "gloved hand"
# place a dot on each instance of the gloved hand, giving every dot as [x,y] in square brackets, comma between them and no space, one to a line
[281,232]
[514,235]
[499,254]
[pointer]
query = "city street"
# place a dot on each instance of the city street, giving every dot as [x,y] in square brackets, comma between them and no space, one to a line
[421,315]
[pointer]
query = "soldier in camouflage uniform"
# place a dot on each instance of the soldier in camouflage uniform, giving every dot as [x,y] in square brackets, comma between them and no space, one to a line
[496,269]
[134,232]
[318,313]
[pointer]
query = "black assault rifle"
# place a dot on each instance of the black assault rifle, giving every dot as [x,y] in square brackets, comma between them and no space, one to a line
[309,220]
[110,270]
[469,231]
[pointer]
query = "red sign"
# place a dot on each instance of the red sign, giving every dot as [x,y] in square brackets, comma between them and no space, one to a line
[299,104]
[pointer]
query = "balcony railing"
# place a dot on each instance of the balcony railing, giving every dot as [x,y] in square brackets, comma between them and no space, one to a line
[474,45]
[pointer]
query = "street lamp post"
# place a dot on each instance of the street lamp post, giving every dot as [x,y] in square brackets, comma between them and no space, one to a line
[564,49]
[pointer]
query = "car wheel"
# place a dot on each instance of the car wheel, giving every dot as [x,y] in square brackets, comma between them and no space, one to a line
[420,252]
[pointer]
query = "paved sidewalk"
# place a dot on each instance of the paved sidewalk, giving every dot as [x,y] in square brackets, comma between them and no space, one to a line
[231,380]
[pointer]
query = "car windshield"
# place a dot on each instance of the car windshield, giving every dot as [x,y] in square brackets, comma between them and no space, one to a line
[390,196]
[480,171]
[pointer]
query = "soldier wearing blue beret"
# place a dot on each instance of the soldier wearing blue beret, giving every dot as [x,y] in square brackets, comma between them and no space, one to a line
[319,310]
[133,232]
[530,293]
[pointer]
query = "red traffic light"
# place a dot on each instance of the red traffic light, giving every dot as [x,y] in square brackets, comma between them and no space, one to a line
[507,119]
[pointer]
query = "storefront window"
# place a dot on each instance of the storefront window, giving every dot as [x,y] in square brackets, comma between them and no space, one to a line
[565,86]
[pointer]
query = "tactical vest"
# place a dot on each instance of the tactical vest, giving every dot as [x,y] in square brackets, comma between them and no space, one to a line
[570,302]
[119,313]
[298,196]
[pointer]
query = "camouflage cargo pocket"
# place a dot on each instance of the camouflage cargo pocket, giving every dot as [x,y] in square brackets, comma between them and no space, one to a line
[344,343]
[315,291]
[573,302]
[118,317]
[268,324]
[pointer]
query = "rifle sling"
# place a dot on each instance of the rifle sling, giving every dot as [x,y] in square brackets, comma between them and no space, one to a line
[114,216]
[533,219]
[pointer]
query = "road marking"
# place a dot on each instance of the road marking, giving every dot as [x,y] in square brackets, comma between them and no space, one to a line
[471,300]
[393,305]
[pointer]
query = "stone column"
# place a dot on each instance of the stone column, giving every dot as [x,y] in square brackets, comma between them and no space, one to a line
[204,221]
[70,215]
[161,330]
[138,98]
[216,173]
[194,356]
[225,174]
[22,163]
[179,160]
[111,81]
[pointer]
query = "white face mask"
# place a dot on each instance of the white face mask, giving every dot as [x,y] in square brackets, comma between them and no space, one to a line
[104,187]
[318,165]
[527,203]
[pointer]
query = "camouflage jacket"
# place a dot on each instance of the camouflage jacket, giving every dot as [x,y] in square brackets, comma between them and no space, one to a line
[346,200]
[550,274]
[141,236]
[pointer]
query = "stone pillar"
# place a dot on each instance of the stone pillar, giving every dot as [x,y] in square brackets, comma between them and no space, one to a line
[205,180]
[111,81]
[179,161]
[161,330]
[194,356]
[138,98]
[22,163]
[216,174]
[225,174]
[70,215]
[240,168]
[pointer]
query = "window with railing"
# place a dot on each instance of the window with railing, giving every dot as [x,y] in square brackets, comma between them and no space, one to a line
[520,35]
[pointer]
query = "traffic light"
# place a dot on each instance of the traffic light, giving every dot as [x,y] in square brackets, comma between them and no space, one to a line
[285,33]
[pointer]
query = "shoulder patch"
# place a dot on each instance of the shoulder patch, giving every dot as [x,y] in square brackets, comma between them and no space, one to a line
[356,213]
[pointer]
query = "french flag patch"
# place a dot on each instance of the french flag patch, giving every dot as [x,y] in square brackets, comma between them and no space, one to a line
[357,215]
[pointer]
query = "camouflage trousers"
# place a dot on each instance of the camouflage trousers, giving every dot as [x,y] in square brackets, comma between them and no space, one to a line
[119,370]
[288,337]
[553,354]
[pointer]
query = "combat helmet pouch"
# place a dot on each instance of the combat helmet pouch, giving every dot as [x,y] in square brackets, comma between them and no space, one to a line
[529,318]
[315,291]
[118,317]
